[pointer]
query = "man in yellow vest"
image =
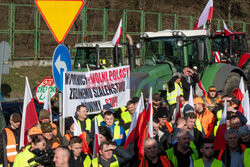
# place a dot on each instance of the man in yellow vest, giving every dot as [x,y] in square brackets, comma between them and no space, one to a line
[78,158]
[106,107]
[173,91]
[127,115]
[11,135]
[117,131]
[208,160]
[111,155]
[182,154]
[83,121]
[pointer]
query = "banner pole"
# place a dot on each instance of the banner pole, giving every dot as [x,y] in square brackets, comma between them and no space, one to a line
[61,119]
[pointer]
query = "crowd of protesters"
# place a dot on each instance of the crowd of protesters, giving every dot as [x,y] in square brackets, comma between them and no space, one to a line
[182,140]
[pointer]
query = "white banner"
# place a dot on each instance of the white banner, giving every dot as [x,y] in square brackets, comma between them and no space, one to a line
[95,88]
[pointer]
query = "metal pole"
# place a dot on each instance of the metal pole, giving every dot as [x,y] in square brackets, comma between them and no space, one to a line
[61,119]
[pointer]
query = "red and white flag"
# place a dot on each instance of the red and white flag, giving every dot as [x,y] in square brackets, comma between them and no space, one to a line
[190,98]
[96,140]
[147,126]
[29,115]
[217,57]
[136,125]
[177,112]
[219,140]
[206,15]
[202,87]
[226,30]
[118,34]
[240,94]
[245,106]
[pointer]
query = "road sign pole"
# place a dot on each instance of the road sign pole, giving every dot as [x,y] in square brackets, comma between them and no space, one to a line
[61,119]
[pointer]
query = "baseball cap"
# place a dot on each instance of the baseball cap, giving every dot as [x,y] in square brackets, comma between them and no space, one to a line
[43,114]
[212,88]
[108,107]
[35,131]
[198,100]
[243,130]
[188,109]
[15,117]
[46,127]
[161,113]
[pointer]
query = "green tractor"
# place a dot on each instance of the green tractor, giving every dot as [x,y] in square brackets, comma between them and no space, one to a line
[232,49]
[162,54]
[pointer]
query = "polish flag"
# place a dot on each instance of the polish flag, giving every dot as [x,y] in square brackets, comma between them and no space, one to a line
[29,115]
[190,98]
[118,34]
[149,114]
[217,57]
[46,104]
[219,140]
[226,30]
[96,140]
[245,106]
[240,94]
[136,125]
[82,135]
[202,87]
[177,113]
[206,15]
[147,126]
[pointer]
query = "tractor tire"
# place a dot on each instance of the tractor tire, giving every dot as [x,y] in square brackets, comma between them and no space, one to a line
[246,71]
[232,82]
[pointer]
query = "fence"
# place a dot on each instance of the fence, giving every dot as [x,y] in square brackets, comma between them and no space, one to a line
[29,37]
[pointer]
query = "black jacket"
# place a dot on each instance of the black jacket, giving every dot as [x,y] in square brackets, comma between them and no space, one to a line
[186,85]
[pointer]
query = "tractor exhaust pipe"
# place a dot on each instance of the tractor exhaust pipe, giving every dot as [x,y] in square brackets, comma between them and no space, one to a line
[131,55]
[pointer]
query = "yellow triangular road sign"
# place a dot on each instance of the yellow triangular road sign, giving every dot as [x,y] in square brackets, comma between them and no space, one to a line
[59,15]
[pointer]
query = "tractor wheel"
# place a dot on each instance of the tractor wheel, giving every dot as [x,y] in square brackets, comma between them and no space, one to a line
[247,73]
[232,82]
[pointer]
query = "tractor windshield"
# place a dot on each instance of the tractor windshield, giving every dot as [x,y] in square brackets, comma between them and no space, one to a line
[85,56]
[177,51]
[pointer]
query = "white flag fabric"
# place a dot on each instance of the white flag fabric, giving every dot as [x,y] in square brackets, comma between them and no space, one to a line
[226,30]
[96,140]
[191,99]
[245,106]
[118,34]
[206,15]
[150,109]
[77,129]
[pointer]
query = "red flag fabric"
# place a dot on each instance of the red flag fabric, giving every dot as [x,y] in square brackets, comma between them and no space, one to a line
[219,140]
[29,115]
[118,34]
[202,87]
[96,140]
[226,30]
[245,107]
[206,15]
[240,94]
[136,124]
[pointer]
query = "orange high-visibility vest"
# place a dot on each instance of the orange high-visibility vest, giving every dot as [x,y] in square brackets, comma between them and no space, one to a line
[68,136]
[11,145]
[243,148]
[164,161]
[169,126]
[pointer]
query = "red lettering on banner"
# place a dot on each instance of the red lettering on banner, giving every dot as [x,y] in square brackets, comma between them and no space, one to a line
[113,101]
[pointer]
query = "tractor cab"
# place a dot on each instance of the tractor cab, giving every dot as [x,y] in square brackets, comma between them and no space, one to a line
[96,55]
[230,47]
[177,48]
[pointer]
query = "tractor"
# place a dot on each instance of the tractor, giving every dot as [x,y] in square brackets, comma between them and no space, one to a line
[162,54]
[232,49]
